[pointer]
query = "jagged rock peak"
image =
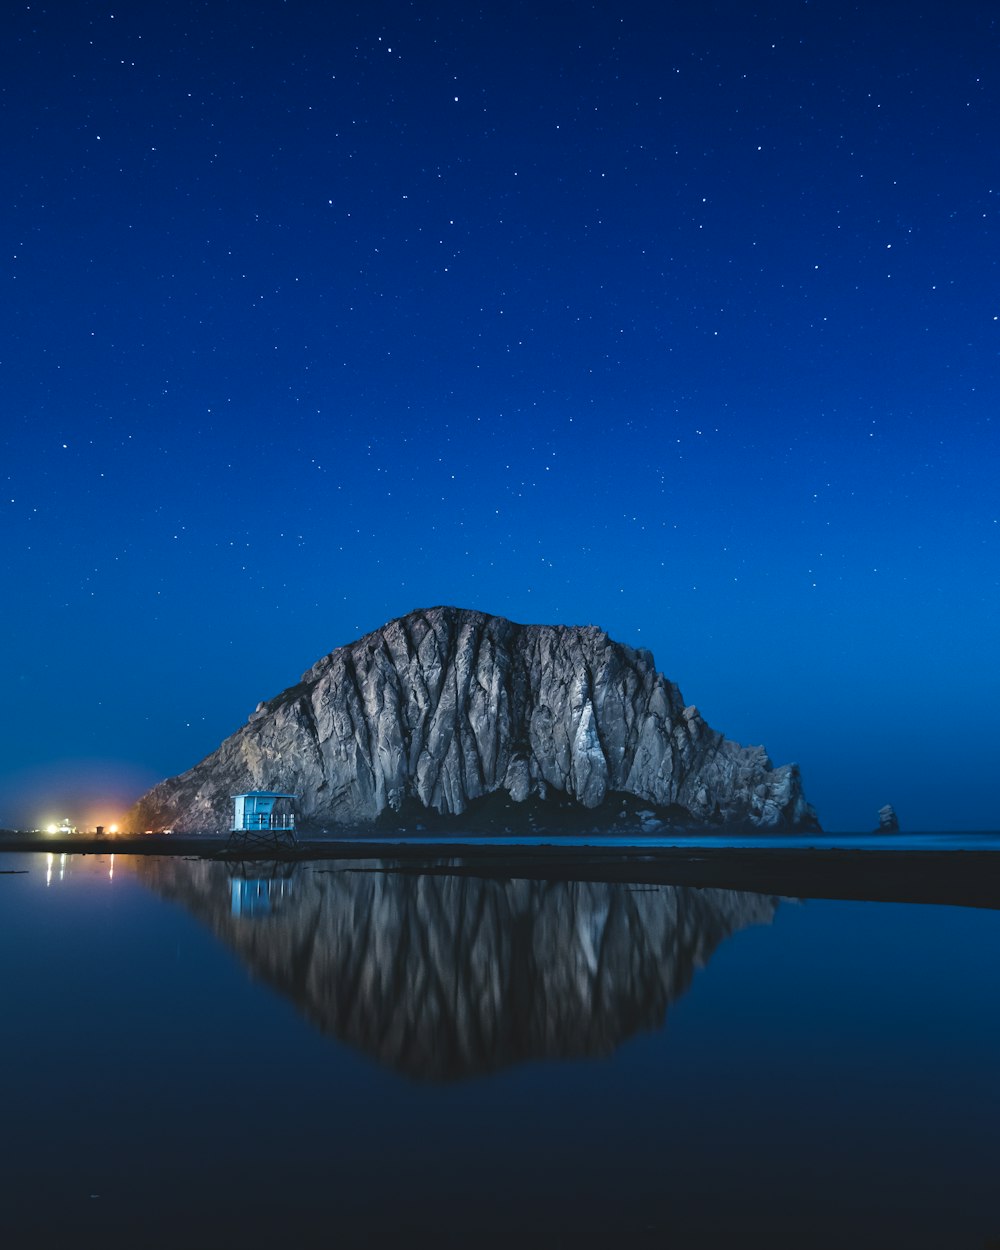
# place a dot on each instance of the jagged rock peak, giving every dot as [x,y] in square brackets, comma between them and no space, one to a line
[447,707]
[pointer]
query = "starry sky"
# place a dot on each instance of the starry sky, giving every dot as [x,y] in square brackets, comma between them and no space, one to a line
[676,318]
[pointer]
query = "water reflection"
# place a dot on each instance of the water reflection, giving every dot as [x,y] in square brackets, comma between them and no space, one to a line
[258,890]
[446,976]
[66,868]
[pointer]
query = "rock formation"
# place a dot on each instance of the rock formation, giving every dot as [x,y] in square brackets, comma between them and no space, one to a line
[442,977]
[448,712]
[888,821]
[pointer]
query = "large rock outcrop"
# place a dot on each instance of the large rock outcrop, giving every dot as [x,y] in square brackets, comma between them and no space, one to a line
[446,708]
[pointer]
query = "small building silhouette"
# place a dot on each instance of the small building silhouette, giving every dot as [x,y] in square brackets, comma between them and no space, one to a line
[263,816]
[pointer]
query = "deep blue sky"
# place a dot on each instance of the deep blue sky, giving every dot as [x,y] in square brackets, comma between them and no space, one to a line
[681,319]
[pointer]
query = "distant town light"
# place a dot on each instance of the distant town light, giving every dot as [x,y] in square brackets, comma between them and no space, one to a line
[62,827]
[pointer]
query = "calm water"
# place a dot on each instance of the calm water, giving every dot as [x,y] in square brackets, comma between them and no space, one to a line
[946,841]
[338,1054]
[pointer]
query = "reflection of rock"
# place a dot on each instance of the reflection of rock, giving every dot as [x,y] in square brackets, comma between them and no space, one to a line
[447,708]
[888,822]
[444,976]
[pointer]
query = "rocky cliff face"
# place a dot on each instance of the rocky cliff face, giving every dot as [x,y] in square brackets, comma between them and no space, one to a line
[443,977]
[445,708]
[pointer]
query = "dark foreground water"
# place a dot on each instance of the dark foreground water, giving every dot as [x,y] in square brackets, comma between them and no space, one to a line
[334,1053]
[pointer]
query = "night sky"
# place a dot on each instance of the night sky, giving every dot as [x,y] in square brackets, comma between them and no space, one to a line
[676,318]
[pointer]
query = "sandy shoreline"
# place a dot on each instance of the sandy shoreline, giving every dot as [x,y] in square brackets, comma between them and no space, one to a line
[968,878]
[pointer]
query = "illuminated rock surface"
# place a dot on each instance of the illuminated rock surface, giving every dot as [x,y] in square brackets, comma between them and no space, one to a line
[454,713]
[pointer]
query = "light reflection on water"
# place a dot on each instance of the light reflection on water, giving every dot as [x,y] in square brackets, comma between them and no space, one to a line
[552,1063]
[445,976]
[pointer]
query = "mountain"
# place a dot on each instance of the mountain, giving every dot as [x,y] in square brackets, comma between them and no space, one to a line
[448,713]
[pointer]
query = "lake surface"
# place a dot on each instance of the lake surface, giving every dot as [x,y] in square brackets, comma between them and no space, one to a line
[341,1053]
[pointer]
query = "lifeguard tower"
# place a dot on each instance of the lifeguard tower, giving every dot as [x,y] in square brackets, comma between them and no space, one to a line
[263,818]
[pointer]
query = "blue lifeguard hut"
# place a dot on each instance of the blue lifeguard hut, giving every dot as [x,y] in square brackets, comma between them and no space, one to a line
[263,817]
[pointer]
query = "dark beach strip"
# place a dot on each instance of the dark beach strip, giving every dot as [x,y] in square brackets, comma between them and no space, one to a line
[967,878]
